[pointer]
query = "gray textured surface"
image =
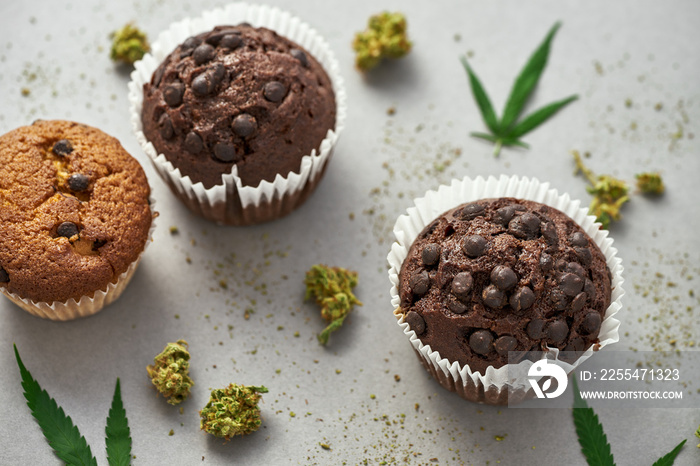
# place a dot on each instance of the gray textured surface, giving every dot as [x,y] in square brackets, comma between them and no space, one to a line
[623,58]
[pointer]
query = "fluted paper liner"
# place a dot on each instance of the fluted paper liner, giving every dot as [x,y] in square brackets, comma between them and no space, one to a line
[496,386]
[86,305]
[230,202]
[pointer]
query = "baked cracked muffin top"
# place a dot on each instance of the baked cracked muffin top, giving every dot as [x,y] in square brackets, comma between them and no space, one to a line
[500,275]
[238,95]
[75,211]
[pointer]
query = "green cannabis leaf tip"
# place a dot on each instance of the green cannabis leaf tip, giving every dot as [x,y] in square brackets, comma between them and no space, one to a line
[594,443]
[118,435]
[63,436]
[670,457]
[509,130]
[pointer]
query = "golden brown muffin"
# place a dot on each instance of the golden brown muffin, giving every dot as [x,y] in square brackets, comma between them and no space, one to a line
[75,212]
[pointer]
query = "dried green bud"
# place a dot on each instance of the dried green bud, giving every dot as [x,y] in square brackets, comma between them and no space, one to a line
[385,37]
[697,434]
[609,194]
[129,44]
[169,373]
[650,183]
[232,411]
[332,289]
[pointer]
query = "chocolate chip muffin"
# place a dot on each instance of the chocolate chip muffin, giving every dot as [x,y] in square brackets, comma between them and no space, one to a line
[75,217]
[238,95]
[500,275]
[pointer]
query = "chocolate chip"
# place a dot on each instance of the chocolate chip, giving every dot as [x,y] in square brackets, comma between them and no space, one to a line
[474,245]
[578,302]
[225,152]
[546,262]
[62,147]
[173,93]
[415,321]
[4,277]
[589,288]
[481,342]
[570,284]
[558,299]
[456,306]
[206,82]
[462,285]
[431,254]
[193,143]
[493,297]
[584,255]
[244,125]
[67,229]
[158,75]
[523,298]
[525,226]
[504,215]
[78,182]
[301,56]
[578,239]
[591,323]
[549,231]
[203,53]
[274,91]
[504,344]
[188,46]
[419,283]
[535,329]
[215,38]
[557,331]
[576,268]
[561,265]
[471,211]
[166,126]
[231,41]
[576,344]
[503,277]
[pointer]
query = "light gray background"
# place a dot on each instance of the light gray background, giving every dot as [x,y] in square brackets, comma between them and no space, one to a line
[622,58]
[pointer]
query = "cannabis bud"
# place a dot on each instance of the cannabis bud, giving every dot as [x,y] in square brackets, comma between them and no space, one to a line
[232,411]
[609,194]
[169,373]
[385,37]
[650,183]
[332,289]
[129,44]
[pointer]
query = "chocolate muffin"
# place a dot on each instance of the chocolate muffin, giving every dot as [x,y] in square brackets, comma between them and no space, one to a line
[238,95]
[500,275]
[75,214]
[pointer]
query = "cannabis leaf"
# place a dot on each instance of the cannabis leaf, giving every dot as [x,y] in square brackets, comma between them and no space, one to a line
[510,129]
[58,428]
[118,439]
[594,443]
[670,456]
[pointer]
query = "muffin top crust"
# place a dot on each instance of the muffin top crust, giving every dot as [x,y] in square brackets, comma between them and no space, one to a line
[238,95]
[500,275]
[75,211]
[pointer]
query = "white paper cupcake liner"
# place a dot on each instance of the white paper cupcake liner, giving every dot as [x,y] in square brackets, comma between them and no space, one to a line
[86,305]
[230,202]
[496,386]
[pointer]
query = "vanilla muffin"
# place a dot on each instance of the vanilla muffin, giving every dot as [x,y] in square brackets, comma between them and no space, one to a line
[75,218]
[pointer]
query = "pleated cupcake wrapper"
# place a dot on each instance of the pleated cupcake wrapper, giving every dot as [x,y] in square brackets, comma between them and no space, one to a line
[496,386]
[86,305]
[231,202]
